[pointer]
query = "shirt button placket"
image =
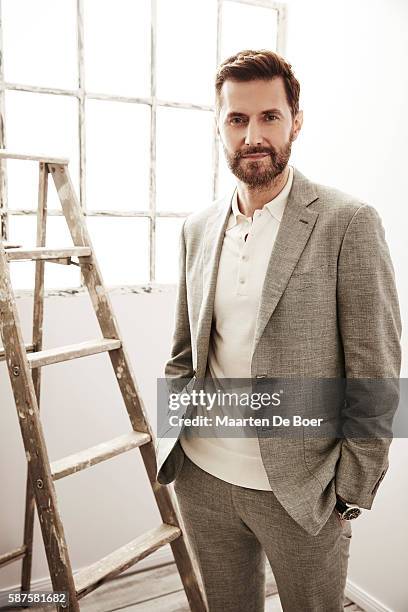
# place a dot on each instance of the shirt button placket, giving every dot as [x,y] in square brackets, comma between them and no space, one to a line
[242,266]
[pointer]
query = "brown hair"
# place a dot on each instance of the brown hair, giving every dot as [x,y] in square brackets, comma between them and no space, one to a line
[251,65]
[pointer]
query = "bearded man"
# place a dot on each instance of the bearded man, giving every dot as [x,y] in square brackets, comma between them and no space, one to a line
[286,279]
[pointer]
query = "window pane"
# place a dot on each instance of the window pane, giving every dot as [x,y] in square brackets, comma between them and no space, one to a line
[22,183]
[39,124]
[184,159]
[23,232]
[122,249]
[57,276]
[117,47]
[186,50]
[167,249]
[39,41]
[118,155]
[247,27]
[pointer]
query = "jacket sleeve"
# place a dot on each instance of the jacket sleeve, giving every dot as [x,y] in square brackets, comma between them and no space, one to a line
[370,328]
[179,368]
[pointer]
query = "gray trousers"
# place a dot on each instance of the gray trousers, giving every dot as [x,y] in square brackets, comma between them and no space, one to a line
[231,528]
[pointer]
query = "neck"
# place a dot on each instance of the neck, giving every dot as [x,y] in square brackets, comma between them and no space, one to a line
[251,199]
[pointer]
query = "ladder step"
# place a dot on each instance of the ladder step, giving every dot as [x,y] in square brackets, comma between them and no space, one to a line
[72,351]
[90,578]
[44,253]
[4,154]
[28,347]
[101,452]
[13,555]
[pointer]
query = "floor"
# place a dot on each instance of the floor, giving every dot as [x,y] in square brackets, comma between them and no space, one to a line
[160,590]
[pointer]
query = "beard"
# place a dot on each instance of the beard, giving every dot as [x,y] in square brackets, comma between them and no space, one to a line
[259,174]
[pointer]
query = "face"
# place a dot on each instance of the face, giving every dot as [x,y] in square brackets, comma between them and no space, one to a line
[256,129]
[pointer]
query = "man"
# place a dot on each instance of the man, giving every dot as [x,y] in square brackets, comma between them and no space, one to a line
[286,279]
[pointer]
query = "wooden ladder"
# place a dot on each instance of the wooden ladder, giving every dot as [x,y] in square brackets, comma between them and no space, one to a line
[24,362]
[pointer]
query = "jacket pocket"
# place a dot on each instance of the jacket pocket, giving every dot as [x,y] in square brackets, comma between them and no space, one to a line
[309,271]
[307,278]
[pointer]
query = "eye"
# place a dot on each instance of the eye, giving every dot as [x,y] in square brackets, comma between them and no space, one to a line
[271,117]
[237,120]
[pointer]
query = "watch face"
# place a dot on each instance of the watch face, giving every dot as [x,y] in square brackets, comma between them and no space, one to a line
[352,513]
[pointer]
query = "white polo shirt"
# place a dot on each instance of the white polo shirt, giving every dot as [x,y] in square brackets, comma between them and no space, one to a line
[241,275]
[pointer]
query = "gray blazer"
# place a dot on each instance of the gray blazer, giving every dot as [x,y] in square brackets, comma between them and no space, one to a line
[329,309]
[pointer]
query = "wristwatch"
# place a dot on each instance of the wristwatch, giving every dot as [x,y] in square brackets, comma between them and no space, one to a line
[347,511]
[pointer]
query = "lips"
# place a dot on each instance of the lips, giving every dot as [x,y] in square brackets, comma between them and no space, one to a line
[255,155]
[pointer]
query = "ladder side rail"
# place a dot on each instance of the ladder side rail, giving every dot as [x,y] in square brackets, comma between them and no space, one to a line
[36,452]
[99,297]
[28,347]
[37,341]
[125,377]
[107,321]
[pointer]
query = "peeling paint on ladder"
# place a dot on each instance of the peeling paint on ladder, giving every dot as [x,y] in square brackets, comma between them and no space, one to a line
[64,192]
[59,542]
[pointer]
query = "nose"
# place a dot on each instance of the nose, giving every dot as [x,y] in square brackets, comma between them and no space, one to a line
[253,134]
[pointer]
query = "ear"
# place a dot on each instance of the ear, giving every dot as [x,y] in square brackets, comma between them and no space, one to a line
[297,124]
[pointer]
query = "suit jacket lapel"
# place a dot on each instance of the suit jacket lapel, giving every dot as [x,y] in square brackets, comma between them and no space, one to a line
[213,240]
[295,228]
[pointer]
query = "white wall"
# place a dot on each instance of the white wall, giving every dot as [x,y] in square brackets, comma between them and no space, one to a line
[349,58]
